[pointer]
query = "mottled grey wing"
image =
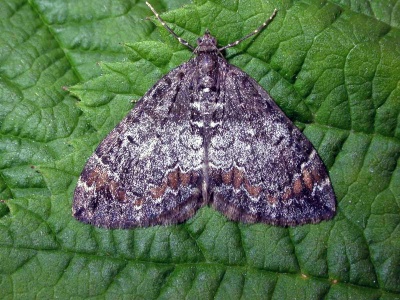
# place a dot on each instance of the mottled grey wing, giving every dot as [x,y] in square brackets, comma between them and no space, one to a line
[147,171]
[262,168]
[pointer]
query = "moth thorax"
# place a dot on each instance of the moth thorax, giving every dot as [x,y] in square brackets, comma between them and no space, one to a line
[207,62]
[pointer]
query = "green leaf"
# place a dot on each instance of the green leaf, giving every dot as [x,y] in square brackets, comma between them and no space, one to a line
[69,72]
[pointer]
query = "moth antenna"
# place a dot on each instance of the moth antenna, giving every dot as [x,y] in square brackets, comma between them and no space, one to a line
[182,41]
[263,25]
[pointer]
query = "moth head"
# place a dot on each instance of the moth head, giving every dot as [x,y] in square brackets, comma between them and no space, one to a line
[206,43]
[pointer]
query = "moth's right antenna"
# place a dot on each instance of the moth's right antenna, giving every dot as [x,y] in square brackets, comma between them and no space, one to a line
[182,41]
[263,25]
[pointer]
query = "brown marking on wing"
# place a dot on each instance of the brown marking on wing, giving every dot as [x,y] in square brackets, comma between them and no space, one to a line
[287,194]
[158,191]
[173,179]
[316,175]
[227,177]
[308,179]
[96,176]
[184,178]
[253,190]
[297,186]
[115,189]
[271,200]
[138,202]
[238,178]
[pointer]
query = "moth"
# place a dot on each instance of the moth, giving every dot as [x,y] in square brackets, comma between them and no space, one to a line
[205,134]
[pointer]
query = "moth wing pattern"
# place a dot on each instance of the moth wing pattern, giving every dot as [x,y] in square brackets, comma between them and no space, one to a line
[206,133]
[145,171]
[262,168]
